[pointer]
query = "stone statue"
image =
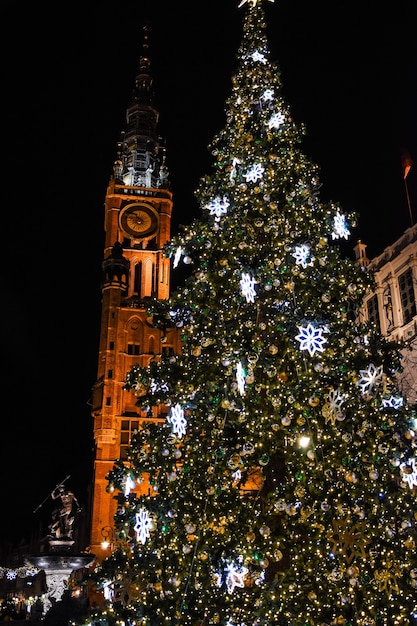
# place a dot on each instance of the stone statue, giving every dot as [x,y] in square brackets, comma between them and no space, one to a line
[64,516]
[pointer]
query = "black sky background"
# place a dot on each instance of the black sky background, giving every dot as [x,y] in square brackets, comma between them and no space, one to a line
[349,73]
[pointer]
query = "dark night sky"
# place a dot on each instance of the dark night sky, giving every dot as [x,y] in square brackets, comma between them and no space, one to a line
[349,73]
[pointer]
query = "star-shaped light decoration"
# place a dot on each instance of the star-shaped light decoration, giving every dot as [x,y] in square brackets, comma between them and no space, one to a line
[302,255]
[340,228]
[276,120]
[143,525]
[247,286]
[370,379]
[177,420]
[251,3]
[254,173]
[218,207]
[311,338]
[409,473]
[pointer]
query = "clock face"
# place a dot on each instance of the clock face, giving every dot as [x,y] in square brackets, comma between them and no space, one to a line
[139,220]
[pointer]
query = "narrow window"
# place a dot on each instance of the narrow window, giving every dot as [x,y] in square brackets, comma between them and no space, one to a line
[373,312]
[127,428]
[408,303]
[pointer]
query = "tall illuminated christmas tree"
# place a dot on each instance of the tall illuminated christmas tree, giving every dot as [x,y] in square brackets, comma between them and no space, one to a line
[282,486]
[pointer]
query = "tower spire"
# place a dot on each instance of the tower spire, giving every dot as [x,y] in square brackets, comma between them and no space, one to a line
[141,158]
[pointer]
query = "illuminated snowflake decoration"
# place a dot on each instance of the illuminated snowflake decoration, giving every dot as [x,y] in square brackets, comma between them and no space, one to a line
[409,473]
[177,420]
[108,590]
[258,56]
[302,255]
[11,574]
[311,338]
[156,386]
[129,485]
[234,576]
[218,207]
[276,120]
[247,286]
[143,526]
[235,162]
[369,379]
[254,173]
[332,409]
[393,402]
[177,257]
[340,229]
[240,378]
[268,95]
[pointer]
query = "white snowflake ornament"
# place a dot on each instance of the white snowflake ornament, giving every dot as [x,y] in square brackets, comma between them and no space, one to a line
[302,255]
[268,95]
[254,173]
[143,526]
[332,409]
[276,120]
[370,379]
[393,402]
[234,576]
[258,56]
[311,338]
[247,286]
[340,229]
[218,207]
[409,473]
[241,378]
[177,420]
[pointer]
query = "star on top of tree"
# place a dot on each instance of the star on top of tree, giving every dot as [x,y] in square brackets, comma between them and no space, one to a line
[251,3]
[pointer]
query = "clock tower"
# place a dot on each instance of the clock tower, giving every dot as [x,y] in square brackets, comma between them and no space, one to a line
[137,222]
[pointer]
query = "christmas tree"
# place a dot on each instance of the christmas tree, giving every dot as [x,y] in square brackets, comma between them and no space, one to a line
[282,486]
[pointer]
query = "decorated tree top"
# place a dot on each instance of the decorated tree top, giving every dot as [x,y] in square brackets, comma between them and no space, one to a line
[281,487]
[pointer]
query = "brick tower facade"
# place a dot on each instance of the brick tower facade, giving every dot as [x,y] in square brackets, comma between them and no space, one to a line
[137,222]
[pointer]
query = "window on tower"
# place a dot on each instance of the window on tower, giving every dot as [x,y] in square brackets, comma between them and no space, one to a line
[127,428]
